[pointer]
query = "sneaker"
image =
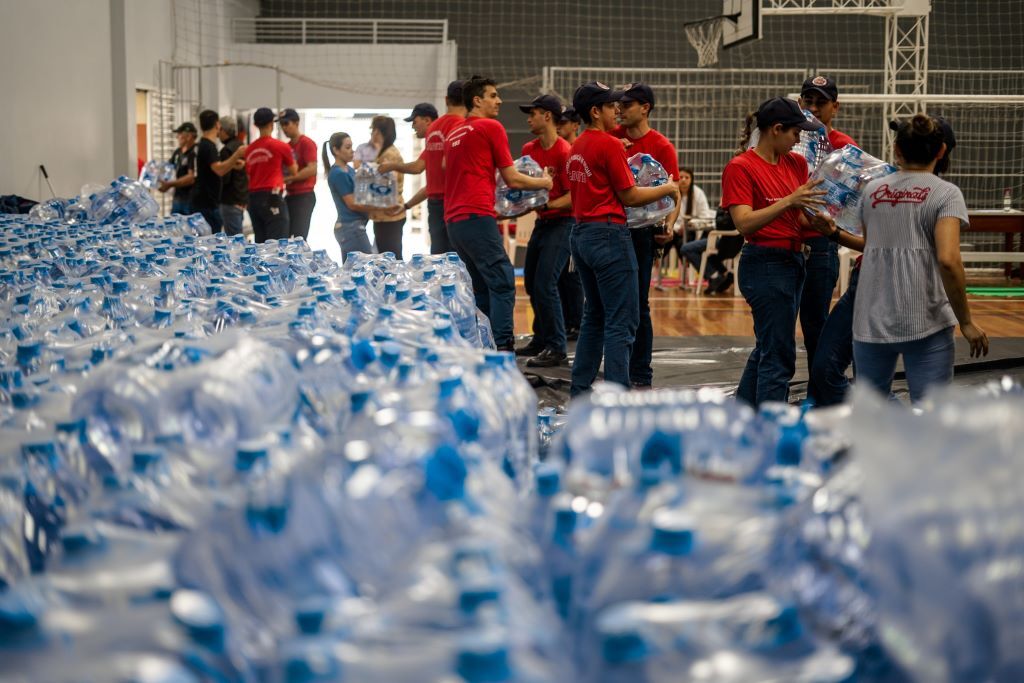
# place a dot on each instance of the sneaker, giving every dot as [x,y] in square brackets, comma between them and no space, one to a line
[572,334]
[508,348]
[531,349]
[547,358]
[723,284]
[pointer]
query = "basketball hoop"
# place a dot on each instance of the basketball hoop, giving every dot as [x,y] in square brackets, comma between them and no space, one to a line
[705,36]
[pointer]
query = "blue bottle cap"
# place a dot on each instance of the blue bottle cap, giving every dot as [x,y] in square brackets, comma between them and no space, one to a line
[199,613]
[483,658]
[445,473]
[673,532]
[144,457]
[248,453]
[548,479]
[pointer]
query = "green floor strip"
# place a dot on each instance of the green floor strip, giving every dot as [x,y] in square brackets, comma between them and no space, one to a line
[996,291]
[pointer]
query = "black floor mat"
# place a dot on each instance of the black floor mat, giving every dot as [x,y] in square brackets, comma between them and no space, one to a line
[719,362]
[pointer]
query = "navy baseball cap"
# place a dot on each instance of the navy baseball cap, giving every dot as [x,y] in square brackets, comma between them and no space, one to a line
[187,127]
[821,84]
[288,115]
[263,116]
[638,92]
[594,94]
[455,91]
[568,114]
[422,109]
[546,102]
[785,111]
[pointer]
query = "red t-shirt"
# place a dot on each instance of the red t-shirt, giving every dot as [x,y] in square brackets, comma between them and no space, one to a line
[654,143]
[839,140]
[264,159]
[433,153]
[304,153]
[748,179]
[472,153]
[554,159]
[597,169]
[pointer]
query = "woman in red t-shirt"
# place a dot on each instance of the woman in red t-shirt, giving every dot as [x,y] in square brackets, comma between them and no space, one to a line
[765,190]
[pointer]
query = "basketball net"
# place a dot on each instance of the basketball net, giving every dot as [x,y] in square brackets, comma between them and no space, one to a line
[705,36]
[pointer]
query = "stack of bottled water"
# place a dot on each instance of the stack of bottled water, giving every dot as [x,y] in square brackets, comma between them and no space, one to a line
[509,202]
[238,462]
[814,145]
[844,173]
[156,172]
[648,173]
[374,188]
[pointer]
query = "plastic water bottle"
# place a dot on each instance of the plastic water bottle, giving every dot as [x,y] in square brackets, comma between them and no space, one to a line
[844,173]
[510,202]
[648,173]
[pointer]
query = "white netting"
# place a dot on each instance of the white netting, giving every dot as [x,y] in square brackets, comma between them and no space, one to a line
[391,53]
[706,37]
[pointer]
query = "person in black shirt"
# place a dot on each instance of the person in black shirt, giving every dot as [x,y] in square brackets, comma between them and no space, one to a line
[209,169]
[184,160]
[234,188]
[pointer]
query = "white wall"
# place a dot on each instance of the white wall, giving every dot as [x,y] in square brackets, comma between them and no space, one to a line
[57,95]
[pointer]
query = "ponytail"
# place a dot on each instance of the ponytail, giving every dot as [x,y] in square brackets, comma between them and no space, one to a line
[334,143]
[747,131]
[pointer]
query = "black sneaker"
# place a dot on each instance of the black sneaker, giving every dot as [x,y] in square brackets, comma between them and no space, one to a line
[723,284]
[531,349]
[508,348]
[572,334]
[547,358]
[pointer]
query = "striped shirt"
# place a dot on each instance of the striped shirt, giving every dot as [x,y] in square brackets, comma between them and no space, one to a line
[900,296]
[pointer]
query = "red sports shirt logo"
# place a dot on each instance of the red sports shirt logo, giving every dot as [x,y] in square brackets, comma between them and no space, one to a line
[887,195]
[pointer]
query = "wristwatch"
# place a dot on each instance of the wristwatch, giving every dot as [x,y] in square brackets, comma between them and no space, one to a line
[834,236]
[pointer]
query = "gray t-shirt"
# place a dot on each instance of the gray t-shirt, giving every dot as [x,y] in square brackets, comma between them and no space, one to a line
[900,296]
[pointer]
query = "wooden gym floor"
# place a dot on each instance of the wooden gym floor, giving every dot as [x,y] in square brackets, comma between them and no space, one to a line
[677,313]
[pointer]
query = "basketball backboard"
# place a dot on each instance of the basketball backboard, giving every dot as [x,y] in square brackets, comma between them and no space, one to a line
[743,22]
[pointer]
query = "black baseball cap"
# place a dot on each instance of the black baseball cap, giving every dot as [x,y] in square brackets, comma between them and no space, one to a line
[455,91]
[288,115]
[821,84]
[187,127]
[422,109]
[594,94]
[785,111]
[947,133]
[568,114]
[263,116]
[546,102]
[638,92]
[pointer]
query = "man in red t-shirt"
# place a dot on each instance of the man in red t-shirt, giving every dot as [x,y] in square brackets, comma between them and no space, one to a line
[547,252]
[264,160]
[634,109]
[473,151]
[820,95]
[300,199]
[600,184]
[431,160]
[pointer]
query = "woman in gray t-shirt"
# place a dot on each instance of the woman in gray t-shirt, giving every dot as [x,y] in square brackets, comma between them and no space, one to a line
[911,293]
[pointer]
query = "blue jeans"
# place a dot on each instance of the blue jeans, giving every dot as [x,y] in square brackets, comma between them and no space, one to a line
[570,291]
[771,284]
[479,243]
[213,218]
[269,214]
[181,206]
[300,213]
[822,273]
[388,236]
[232,216]
[607,266]
[828,384]
[692,252]
[439,242]
[547,254]
[640,371]
[351,236]
[928,362]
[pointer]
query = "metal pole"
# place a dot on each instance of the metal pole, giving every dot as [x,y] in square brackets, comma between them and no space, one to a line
[277,89]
